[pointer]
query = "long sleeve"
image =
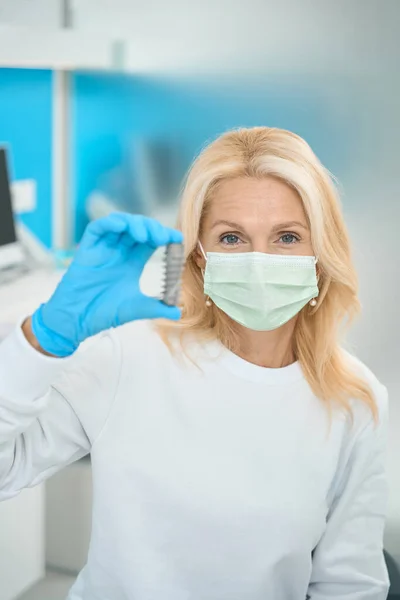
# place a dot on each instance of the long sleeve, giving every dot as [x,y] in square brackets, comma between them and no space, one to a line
[51,410]
[348,563]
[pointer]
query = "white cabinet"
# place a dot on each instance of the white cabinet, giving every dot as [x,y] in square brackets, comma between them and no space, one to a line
[69,517]
[35,13]
[32,35]
[46,48]
[22,550]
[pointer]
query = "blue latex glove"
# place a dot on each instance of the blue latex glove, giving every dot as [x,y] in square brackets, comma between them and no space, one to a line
[101,289]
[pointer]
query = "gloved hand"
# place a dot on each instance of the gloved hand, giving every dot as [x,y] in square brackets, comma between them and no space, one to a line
[101,289]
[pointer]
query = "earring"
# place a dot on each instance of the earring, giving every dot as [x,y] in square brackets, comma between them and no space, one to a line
[313,302]
[208,302]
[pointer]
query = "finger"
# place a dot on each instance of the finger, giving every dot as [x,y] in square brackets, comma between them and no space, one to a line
[115,225]
[139,229]
[158,235]
[155,309]
[144,230]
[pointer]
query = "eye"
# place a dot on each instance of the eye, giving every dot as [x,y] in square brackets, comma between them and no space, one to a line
[230,239]
[289,238]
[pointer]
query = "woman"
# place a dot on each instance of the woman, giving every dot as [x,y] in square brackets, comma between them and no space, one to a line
[237,451]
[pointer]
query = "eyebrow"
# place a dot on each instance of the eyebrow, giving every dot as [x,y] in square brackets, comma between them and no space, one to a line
[228,223]
[278,227]
[288,225]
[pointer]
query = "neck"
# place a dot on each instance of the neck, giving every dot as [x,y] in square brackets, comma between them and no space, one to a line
[273,349]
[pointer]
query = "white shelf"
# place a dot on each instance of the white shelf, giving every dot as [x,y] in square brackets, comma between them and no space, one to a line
[46,48]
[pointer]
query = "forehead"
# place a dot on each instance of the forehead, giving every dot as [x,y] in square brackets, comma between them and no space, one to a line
[246,200]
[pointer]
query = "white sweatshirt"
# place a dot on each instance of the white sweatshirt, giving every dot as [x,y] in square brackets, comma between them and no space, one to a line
[219,480]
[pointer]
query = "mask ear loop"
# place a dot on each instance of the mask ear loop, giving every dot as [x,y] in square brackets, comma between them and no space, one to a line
[204,255]
[313,301]
[202,250]
[208,301]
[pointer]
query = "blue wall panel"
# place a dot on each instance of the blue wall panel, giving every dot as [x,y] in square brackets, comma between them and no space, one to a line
[102,124]
[26,128]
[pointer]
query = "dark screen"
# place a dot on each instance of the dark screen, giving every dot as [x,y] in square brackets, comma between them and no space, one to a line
[7,229]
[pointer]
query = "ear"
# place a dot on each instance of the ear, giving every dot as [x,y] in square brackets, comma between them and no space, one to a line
[199,258]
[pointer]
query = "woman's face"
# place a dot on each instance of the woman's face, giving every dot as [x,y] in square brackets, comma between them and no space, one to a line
[252,215]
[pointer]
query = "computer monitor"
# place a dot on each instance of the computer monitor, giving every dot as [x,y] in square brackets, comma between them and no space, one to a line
[11,252]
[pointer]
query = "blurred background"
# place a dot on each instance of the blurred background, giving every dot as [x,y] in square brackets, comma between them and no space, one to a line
[103,106]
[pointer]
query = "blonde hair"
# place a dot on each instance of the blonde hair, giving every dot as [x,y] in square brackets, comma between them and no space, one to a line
[268,152]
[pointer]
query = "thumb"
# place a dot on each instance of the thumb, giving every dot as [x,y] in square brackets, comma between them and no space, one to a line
[155,309]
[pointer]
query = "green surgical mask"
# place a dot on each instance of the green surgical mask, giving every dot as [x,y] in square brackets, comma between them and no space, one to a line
[260,291]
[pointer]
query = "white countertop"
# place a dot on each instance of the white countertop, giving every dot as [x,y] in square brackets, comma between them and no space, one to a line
[20,297]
